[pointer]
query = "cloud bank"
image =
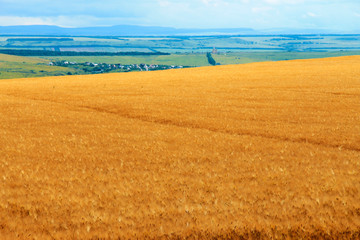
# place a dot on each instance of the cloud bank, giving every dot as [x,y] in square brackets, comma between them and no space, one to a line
[258,14]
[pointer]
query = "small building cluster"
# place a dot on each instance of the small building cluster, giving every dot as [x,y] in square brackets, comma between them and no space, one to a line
[105,67]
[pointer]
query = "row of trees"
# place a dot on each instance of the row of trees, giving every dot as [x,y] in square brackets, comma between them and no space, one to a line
[210,58]
[69,53]
[39,39]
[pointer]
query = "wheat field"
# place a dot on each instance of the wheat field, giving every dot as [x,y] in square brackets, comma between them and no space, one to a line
[257,151]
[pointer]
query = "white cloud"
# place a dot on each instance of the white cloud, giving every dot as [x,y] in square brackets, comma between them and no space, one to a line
[62,21]
[284,1]
[310,14]
[14,20]
[163,3]
[261,9]
[258,14]
[215,3]
[272,1]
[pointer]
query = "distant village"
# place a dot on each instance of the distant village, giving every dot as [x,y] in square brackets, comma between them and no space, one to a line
[94,68]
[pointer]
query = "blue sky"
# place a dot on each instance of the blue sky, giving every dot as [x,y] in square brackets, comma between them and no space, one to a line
[258,14]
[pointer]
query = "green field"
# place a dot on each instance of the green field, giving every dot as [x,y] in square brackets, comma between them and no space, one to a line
[187,44]
[197,59]
[174,59]
[184,51]
[24,67]
[264,56]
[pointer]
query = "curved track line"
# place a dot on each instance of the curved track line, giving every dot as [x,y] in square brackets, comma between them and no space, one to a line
[170,122]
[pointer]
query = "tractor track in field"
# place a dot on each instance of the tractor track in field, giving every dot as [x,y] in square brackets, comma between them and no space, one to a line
[169,122]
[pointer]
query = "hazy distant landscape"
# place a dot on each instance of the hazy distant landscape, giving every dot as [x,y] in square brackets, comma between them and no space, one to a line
[132,48]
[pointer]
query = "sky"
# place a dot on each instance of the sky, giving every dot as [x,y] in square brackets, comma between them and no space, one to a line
[340,15]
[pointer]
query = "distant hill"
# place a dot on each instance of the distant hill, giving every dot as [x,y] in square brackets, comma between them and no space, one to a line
[119,30]
[290,31]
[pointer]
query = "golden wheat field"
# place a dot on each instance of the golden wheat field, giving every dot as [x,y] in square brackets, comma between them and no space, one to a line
[256,151]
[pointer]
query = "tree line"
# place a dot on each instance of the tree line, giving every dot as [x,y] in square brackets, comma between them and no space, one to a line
[210,58]
[39,39]
[71,53]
